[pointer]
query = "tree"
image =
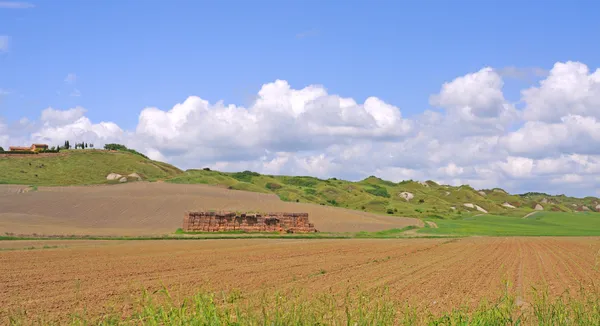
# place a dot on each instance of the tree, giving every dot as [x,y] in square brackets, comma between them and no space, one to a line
[86,145]
[1,149]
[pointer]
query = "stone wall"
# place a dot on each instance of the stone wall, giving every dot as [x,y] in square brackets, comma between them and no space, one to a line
[231,221]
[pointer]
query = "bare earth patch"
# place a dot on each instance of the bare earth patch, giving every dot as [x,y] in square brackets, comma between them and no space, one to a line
[157,208]
[433,273]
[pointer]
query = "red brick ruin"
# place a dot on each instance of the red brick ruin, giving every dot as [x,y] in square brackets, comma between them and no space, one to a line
[231,221]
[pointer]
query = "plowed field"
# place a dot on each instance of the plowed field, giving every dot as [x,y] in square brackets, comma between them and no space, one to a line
[156,208]
[435,273]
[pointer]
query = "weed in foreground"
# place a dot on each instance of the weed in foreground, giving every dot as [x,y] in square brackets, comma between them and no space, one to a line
[376,307]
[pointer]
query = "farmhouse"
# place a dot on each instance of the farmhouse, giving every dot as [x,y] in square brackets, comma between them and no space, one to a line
[32,148]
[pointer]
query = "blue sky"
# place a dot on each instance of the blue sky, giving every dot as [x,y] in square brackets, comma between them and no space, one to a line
[412,73]
[131,54]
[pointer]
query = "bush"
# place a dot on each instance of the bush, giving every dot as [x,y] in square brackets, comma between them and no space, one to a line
[378,191]
[115,147]
[333,202]
[301,181]
[390,211]
[245,176]
[310,191]
[206,169]
[119,147]
[273,186]
[18,152]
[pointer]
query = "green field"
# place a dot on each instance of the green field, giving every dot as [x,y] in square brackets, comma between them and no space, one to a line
[539,224]
[79,167]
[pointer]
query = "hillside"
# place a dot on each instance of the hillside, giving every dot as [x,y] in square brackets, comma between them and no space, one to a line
[406,198]
[79,167]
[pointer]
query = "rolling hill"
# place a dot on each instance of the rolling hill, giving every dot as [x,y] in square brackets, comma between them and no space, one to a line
[406,198]
[79,167]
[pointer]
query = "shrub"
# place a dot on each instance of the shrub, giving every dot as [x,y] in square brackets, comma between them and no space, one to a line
[333,202]
[390,211]
[421,201]
[301,181]
[18,153]
[245,176]
[310,191]
[206,169]
[378,191]
[119,147]
[115,147]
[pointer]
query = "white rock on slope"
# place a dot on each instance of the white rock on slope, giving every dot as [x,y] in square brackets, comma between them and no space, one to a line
[406,195]
[508,205]
[113,176]
[479,208]
[539,207]
[135,176]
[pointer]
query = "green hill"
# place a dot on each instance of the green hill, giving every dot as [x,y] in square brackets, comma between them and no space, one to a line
[79,167]
[380,196]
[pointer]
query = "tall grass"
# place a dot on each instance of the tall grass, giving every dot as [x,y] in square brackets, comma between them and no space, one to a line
[375,307]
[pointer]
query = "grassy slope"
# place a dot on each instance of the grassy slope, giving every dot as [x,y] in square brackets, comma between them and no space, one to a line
[80,167]
[543,223]
[379,196]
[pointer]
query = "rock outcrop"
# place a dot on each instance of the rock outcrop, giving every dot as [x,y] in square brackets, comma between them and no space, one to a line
[507,205]
[482,193]
[113,176]
[406,195]
[598,208]
[230,221]
[477,207]
[539,207]
[135,176]
[123,180]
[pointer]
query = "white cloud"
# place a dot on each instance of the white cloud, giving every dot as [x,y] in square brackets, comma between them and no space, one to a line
[53,117]
[4,40]
[15,5]
[570,89]
[476,98]
[308,131]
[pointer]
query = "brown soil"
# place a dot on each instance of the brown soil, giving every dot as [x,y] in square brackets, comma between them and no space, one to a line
[433,273]
[157,208]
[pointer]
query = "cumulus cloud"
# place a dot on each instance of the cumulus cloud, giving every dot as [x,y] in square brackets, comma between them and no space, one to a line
[478,137]
[570,89]
[476,98]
